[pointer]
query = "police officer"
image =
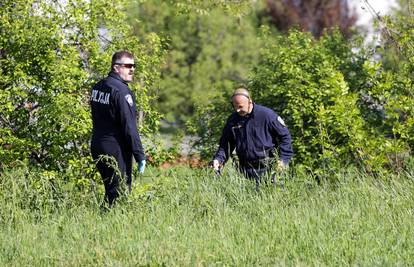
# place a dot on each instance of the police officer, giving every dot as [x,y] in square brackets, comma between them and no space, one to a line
[255,132]
[115,131]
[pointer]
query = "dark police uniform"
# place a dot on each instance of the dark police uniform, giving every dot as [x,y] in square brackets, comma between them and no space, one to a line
[115,131]
[255,138]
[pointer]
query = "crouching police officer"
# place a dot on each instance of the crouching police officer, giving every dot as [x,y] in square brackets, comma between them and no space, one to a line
[255,132]
[115,131]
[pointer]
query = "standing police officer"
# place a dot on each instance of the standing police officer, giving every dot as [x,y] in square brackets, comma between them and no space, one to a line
[115,132]
[255,132]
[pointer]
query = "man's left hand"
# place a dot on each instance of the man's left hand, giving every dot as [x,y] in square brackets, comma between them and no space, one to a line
[141,166]
[281,165]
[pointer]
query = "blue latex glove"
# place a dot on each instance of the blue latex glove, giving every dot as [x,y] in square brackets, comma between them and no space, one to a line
[141,166]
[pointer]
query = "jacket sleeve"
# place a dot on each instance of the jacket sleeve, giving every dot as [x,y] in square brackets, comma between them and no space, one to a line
[226,145]
[280,133]
[128,124]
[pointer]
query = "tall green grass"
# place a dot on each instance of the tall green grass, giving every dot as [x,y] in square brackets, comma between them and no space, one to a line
[183,217]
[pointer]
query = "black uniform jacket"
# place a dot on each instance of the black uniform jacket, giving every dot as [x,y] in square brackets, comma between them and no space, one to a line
[114,117]
[255,136]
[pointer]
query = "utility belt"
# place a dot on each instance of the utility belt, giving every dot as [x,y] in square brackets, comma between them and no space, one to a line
[263,163]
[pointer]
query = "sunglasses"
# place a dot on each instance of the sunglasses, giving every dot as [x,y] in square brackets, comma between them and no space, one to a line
[128,66]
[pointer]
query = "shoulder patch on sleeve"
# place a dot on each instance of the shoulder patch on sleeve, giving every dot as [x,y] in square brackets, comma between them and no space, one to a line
[281,121]
[128,98]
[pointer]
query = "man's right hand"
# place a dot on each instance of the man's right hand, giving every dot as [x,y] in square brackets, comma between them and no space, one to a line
[215,165]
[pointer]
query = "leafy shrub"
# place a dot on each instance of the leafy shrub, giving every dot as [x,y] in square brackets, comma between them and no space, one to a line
[305,81]
[328,95]
[51,55]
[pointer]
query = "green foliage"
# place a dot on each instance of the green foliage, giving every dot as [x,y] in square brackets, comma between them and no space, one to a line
[206,50]
[51,55]
[339,106]
[235,8]
[387,86]
[308,84]
[209,121]
[160,152]
[397,51]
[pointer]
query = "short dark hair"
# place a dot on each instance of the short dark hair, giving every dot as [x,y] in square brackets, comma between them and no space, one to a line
[120,54]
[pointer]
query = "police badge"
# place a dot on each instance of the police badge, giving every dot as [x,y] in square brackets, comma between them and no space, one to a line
[129,100]
[281,121]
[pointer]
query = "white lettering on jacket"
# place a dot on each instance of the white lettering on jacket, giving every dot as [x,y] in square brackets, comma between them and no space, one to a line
[100,97]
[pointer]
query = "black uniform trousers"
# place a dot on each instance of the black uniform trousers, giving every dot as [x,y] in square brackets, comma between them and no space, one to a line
[260,171]
[110,171]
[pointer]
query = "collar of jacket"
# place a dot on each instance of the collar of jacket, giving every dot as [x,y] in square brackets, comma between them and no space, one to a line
[251,114]
[116,76]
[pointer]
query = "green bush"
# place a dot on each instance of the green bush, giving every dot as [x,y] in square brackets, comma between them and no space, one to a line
[51,55]
[338,104]
[206,50]
[308,83]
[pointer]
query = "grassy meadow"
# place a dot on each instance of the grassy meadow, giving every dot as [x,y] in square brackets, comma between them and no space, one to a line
[190,217]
